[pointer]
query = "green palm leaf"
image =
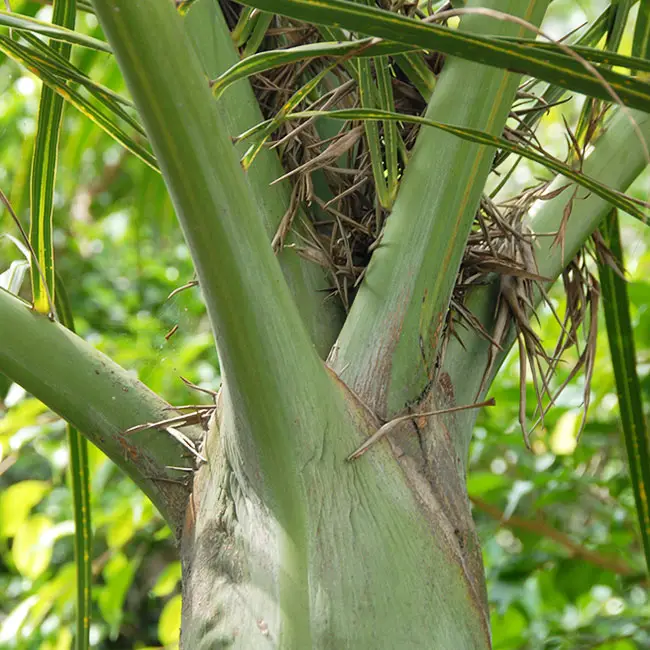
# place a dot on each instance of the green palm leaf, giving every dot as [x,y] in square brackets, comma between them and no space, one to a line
[558,69]
[55,32]
[641,42]
[370,47]
[33,62]
[621,345]
[50,115]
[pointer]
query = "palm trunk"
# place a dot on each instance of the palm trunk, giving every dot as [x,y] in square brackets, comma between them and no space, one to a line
[390,557]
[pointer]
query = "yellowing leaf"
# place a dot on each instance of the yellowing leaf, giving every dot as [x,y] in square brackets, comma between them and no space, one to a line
[169,625]
[120,530]
[564,438]
[15,503]
[167,580]
[32,547]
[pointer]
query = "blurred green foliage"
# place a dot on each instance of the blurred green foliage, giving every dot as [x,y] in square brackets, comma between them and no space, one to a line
[565,567]
[558,526]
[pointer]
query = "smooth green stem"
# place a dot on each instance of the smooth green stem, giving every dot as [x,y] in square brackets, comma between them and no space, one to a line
[238,107]
[387,348]
[98,397]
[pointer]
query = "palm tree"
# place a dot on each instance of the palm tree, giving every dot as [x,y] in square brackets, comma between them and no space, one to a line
[360,306]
